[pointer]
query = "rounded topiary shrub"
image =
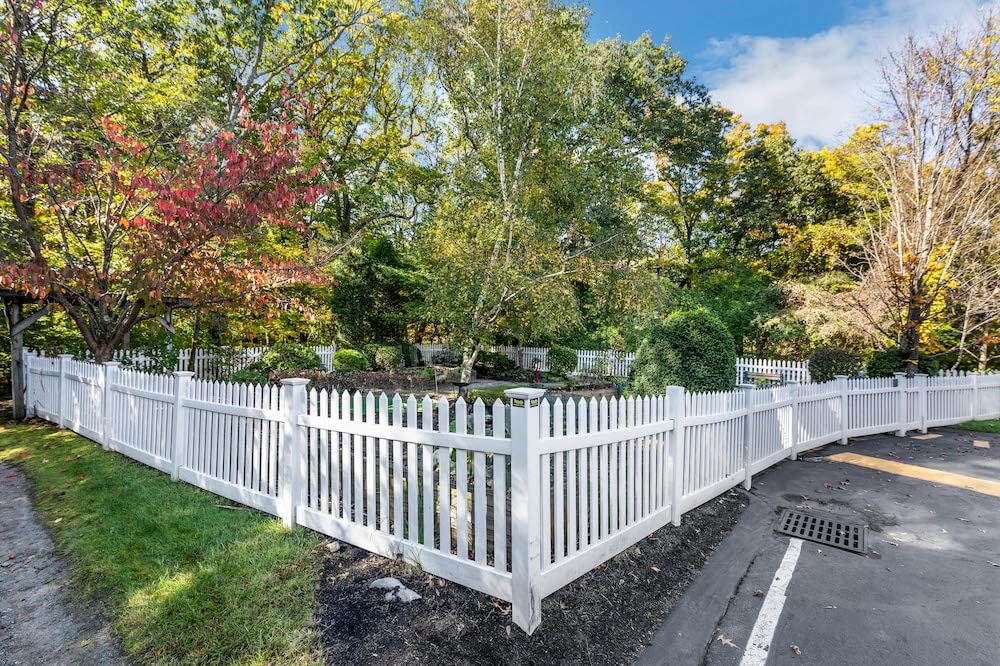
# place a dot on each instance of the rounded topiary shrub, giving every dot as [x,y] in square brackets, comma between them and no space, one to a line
[562,360]
[349,360]
[827,362]
[289,356]
[493,364]
[690,348]
[388,357]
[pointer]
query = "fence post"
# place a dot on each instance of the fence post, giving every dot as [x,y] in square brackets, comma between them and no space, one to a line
[795,419]
[63,417]
[922,402]
[747,424]
[29,391]
[900,404]
[293,447]
[181,380]
[675,410]
[975,396]
[109,373]
[526,505]
[842,388]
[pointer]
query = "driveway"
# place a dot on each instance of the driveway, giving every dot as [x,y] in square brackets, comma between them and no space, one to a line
[927,591]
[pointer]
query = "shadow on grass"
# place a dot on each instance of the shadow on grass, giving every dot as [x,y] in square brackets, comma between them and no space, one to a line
[183,580]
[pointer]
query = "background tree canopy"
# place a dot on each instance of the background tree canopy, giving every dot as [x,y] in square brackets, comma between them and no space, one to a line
[479,172]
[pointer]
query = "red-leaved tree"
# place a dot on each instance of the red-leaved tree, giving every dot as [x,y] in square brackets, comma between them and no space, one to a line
[113,237]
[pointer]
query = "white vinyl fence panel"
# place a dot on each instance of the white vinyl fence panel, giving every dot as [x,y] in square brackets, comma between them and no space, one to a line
[515,501]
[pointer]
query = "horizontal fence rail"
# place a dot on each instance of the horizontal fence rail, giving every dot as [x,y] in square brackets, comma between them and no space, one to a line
[514,500]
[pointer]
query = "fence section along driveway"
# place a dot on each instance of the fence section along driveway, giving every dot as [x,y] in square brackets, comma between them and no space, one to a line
[515,501]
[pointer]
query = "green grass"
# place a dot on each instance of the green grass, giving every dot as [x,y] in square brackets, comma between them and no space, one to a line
[490,394]
[981,426]
[182,580]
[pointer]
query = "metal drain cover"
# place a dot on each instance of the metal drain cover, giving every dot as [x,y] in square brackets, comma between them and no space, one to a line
[827,530]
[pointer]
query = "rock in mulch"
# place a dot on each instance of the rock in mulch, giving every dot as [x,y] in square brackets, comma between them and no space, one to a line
[397,591]
[38,625]
[604,617]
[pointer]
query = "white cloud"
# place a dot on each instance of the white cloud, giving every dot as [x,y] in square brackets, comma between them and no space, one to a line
[825,84]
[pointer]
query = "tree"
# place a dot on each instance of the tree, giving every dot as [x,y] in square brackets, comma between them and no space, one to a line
[514,221]
[936,202]
[111,237]
[378,294]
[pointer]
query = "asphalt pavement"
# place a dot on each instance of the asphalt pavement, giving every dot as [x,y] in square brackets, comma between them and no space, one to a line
[926,592]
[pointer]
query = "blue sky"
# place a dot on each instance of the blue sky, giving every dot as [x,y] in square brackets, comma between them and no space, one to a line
[811,63]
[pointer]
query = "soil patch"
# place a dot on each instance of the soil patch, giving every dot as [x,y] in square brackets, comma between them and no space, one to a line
[603,617]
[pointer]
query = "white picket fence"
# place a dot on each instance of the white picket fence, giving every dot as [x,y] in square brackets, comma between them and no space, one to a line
[512,500]
[212,363]
[611,363]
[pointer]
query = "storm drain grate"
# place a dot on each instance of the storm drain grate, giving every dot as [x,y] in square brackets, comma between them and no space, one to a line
[824,529]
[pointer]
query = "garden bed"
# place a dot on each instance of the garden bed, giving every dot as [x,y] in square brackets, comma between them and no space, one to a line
[603,617]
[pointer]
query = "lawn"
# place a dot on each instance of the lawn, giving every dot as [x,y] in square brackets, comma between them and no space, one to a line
[981,426]
[182,580]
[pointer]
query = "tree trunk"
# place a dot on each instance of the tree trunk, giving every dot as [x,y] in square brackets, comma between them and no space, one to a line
[468,360]
[984,355]
[12,311]
[909,343]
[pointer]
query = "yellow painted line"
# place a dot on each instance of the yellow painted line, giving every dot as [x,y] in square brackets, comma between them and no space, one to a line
[923,473]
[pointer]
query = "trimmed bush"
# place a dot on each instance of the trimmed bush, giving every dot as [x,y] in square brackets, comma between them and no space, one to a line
[447,357]
[349,360]
[288,356]
[827,362]
[562,360]
[885,362]
[388,357]
[690,348]
[493,364]
[249,375]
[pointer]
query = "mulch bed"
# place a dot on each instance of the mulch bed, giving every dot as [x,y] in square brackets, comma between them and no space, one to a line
[603,617]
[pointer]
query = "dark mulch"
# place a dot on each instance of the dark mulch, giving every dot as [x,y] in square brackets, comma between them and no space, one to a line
[604,617]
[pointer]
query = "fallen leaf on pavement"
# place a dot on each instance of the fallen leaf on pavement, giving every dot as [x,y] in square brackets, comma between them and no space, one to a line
[758,593]
[726,641]
[795,649]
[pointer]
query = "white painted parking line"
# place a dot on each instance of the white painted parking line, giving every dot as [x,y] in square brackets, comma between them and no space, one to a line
[767,620]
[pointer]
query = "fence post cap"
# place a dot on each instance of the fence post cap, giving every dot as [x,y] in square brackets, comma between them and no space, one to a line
[183,374]
[111,364]
[899,374]
[65,356]
[524,392]
[294,381]
[840,376]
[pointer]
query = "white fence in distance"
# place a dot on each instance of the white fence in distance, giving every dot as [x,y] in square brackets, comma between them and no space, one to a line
[514,501]
[611,363]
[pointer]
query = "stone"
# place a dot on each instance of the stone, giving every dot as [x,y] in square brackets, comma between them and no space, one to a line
[333,546]
[980,444]
[397,591]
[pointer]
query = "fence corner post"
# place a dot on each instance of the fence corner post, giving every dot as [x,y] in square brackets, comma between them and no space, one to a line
[747,390]
[109,372]
[293,448]
[181,380]
[63,417]
[676,411]
[794,437]
[844,425]
[900,404]
[526,505]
